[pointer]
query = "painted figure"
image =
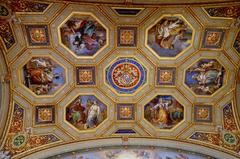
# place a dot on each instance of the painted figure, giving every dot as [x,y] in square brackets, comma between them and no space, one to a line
[83,35]
[169,36]
[93,115]
[163,113]
[205,77]
[43,76]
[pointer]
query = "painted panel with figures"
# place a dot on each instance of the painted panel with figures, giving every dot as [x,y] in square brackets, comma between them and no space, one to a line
[43,76]
[83,35]
[164,112]
[86,112]
[205,77]
[170,36]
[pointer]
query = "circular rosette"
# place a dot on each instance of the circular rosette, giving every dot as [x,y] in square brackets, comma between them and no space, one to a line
[126,75]
[229,138]
[19,141]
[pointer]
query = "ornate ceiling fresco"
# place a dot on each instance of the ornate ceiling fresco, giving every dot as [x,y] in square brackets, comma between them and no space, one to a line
[119,79]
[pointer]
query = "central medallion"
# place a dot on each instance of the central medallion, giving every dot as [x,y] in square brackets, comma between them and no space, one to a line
[126,75]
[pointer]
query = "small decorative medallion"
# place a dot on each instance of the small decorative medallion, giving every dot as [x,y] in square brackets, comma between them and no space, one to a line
[166,76]
[85,75]
[18,141]
[126,75]
[45,114]
[213,38]
[125,112]
[127,36]
[203,113]
[229,138]
[37,35]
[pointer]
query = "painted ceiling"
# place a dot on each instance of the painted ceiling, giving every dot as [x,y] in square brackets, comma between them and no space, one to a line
[151,79]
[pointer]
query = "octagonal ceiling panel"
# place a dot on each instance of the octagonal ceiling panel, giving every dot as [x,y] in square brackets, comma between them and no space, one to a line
[164,112]
[124,75]
[86,112]
[204,79]
[205,76]
[43,75]
[82,33]
[91,118]
[171,35]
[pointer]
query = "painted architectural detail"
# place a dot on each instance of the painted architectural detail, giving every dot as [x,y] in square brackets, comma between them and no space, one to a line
[205,77]
[37,35]
[85,75]
[127,11]
[86,112]
[43,76]
[17,144]
[213,38]
[7,35]
[229,122]
[228,12]
[125,131]
[83,35]
[133,152]
[126,75]
[4,11]
[211,138]
[5,155]
[20,140]
[166,76]
[169,36]
[127,36]
[203,113]
[164,112]
[228,138]
[225,139]
[236,44]
[45,114]
[125,112]
[17,119]
[27,6]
